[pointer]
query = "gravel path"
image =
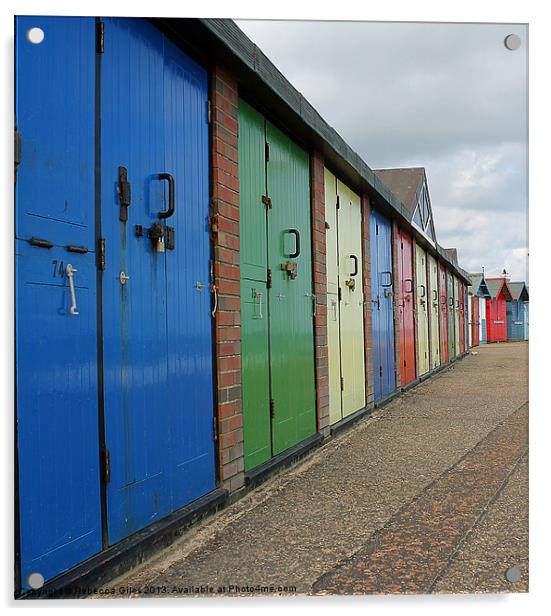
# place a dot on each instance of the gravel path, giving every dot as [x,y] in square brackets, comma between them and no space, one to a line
[288,533]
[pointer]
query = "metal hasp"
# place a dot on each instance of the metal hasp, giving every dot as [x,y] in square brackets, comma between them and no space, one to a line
[277,350]
[382,305]
[345,323]
[434,312]
[443,313]
[158,412]
[405,297]
[58,475]
[422,308]
[125,194]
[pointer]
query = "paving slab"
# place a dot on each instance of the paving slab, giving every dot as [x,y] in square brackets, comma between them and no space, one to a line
[289,532]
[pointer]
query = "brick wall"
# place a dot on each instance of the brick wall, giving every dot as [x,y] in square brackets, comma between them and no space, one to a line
[366,246]
[225,235]
[317,196]
[397,283]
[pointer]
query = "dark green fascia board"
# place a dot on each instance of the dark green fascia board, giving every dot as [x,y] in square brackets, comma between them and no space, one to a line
[313,128]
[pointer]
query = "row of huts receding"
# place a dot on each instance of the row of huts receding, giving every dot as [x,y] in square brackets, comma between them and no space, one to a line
[210,284]
[498,310]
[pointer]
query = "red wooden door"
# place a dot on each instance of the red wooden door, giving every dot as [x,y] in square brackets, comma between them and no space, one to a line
[443,296]
[496,319]
[404,251]
[475,321]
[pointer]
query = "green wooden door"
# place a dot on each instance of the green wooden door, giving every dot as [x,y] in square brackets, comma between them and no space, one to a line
[255,369]
[290,299]
[277,335]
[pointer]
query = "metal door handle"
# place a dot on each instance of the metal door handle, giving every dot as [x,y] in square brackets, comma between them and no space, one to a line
[389,283]
[334,304]
[296,233]
[70,271]
[171,191]
[259,295]
[215,292]
[355,259]
[199,286]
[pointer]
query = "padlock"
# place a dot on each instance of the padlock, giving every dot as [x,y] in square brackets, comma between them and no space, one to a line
[160,244]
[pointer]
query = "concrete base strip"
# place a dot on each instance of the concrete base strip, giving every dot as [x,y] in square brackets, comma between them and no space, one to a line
[410,553]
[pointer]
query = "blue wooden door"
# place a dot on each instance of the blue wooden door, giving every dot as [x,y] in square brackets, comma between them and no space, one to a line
[56,357]
[382,305]
[158,381]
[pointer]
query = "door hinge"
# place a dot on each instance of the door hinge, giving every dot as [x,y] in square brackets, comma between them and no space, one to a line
[272,408]
[340,294]
[101,254]
[267,201]
[209,112]
[338,202]
[267,151]
[376,229]
[16,152]
[213,224]
[106,465]
[269,279]
[342,383]
[215,428]
[381,371]
[100,37]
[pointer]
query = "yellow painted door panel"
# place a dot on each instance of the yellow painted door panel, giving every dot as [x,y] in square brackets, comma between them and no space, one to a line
[421,310]
[333,320]
[332,263]
[434,313]
[351,304]
[334,357]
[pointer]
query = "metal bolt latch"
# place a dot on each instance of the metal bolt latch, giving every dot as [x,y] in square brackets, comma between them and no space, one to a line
[199,286]
[123,278]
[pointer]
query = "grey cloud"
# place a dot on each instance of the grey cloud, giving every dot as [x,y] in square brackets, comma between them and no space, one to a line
[448,97]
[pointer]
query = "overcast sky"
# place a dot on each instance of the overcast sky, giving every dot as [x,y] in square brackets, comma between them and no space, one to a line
[447,97]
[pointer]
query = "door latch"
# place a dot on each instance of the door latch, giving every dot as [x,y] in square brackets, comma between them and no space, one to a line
[163,238]
[125,194]
[351,283]
[291,268]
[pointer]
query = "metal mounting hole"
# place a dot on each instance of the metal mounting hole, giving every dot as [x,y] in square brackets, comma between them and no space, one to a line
[513,574]
[512,42]
[35,580]
[35,36]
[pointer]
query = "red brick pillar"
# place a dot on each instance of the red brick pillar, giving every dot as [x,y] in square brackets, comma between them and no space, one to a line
[225,232]
[366,246]
[320,290]
[397,283]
